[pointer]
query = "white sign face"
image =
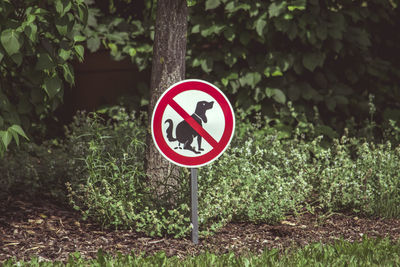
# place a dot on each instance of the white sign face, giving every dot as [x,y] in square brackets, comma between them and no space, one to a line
[215,124]
[192,123]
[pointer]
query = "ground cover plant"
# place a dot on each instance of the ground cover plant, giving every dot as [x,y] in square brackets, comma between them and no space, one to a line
[369,252]
[260,179]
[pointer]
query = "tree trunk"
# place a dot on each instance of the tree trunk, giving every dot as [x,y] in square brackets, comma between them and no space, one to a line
[168,68]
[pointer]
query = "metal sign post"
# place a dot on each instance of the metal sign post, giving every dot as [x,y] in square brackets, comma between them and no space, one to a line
[194,205]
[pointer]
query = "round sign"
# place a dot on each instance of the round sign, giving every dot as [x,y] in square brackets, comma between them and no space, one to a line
[192,123]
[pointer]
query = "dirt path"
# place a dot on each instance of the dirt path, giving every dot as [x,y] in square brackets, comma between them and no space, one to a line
[40,228]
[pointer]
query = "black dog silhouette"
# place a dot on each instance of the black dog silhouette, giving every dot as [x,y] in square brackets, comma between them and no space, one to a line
[185,133]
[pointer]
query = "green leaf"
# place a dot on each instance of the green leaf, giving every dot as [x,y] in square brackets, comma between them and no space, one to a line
[64,24]
[325,130]
[361,36]
[83,12]
[63,6]
[80,50]
[275,9]
[31,32]
[279,96]
[59,7]
[330,103]
[93,44]
[196,28]
[213,29]
[297,5]
[79,38]
[132,51]
[64,54]
[68,72]
[294,93]
[11,41]
[309,93]
[260,25]
[16,128]
[191,2]
[44,62]
[207,65]
[15,135]
[276,73]
[312,60]
[5,138]
[229,34]
[230,59]
[52,85]
[113,47]
[211,4]
[251,79]
[341,100]
[17,58]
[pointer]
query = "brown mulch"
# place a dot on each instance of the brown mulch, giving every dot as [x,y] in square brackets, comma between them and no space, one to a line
[43,229]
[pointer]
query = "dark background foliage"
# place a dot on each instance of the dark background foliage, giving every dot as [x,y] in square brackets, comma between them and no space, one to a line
[327,58]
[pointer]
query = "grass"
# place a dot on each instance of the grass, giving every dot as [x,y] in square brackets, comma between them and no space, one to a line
[369,252]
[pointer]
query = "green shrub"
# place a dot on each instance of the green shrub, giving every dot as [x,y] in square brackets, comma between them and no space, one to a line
[360,176]
[36,170]
[259,182]
[260,178]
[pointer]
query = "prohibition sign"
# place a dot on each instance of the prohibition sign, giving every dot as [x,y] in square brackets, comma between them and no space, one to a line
[214,129]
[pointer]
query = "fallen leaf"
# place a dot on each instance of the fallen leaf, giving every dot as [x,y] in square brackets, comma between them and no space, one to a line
[38,221]
[12,244]
[288,223]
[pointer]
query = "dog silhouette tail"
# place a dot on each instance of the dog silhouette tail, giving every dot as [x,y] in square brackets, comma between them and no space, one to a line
[169,130]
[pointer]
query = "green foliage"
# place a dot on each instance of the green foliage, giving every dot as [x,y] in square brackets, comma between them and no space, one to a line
[359,176]
[36,43]
[263,54]
[37,170]
[14,131]
[261,178]
[329,55]
[110,187]
[124,37]
[368,252]
[253,183]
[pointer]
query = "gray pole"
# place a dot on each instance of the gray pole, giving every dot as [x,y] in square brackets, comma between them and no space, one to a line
[194,205]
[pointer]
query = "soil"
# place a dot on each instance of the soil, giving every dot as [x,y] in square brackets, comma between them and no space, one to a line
[41,228]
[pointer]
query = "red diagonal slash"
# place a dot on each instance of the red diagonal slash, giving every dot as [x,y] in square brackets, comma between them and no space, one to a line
[192,122]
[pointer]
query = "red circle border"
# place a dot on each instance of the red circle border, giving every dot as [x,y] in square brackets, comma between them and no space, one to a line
[160,107]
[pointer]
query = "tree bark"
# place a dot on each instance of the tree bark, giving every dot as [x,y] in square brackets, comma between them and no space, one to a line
[168,68]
